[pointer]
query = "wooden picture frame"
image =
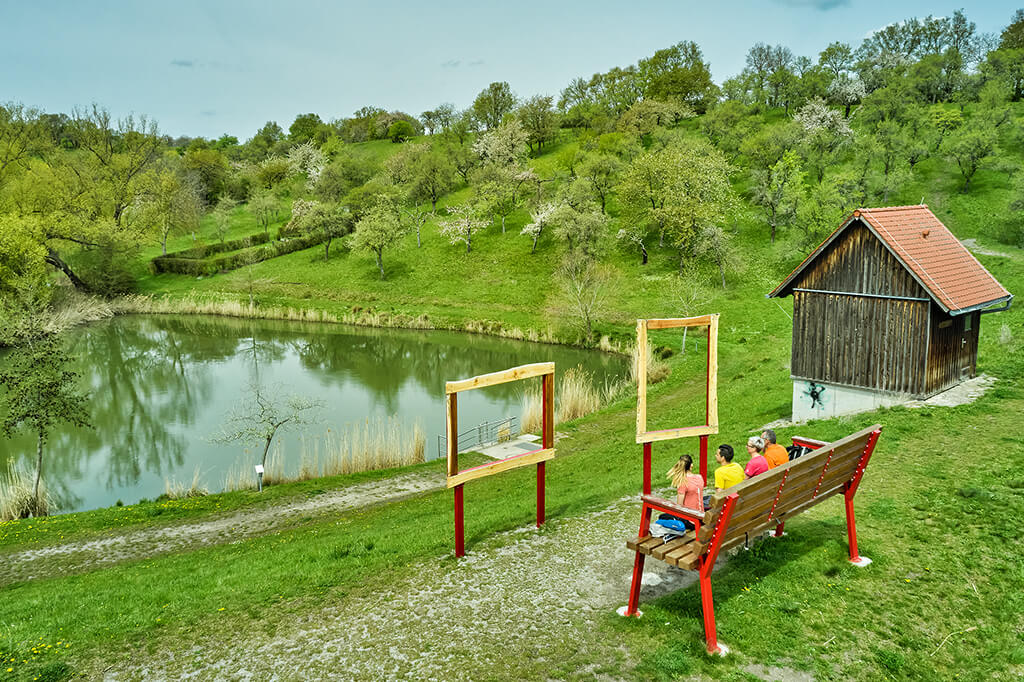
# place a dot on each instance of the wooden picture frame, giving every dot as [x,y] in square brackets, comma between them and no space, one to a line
[456,479]
[710,425]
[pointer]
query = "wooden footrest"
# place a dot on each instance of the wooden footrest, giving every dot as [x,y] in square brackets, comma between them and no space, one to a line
[680,552]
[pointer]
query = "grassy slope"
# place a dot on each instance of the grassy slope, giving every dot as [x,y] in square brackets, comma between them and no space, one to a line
[940,524]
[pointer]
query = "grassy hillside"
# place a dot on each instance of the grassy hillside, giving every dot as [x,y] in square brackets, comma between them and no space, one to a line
[940,511]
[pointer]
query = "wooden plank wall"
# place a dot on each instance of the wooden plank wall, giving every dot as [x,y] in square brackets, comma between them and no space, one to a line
[858,262]
[869,342]
[949,354]
[876,343]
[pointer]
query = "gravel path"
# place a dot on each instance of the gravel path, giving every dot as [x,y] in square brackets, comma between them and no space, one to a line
[526,598]
[130,545]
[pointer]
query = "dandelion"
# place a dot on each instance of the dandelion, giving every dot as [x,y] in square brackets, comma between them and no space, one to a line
[221,608]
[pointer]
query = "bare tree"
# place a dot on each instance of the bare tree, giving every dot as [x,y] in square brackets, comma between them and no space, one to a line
[586,285]
[265,416]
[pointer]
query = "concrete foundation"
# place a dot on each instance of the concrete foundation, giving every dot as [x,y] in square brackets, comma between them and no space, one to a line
[820,400]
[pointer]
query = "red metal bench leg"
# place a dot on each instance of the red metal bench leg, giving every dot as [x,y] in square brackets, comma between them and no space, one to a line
[634,587]
[460,535]
[851,531]
[708,607]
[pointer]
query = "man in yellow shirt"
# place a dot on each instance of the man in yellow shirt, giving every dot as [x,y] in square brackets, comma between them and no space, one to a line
[773,452]
[728,473]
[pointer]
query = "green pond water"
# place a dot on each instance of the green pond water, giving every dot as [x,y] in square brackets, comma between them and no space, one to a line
[162,386]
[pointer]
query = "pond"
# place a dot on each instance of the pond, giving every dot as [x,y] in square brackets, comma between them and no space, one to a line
[161,387]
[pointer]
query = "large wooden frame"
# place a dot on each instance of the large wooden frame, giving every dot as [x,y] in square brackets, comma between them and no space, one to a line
[710,426]
[702,431]
[456,478]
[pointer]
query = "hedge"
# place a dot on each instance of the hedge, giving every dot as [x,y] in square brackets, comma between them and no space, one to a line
[257,251]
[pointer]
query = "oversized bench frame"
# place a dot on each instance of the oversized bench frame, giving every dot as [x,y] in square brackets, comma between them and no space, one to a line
[751,507]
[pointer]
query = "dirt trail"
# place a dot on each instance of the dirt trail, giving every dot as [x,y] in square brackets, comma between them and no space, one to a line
[138,544]
[530,599]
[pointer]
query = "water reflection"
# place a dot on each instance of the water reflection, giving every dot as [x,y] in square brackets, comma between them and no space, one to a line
[162,385]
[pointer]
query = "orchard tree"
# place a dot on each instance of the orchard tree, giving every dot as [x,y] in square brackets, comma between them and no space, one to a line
[539,119]
[379,229]
[307,159]
[539,219]
[464,220]
[837,59]
[601,173]
[222,213]
[586,286]
[825,133]
[970,146]
[846,91]
[324,220]
[491,105]
[505,145]
[263,207]
[779,191]
[432,175]
[40,394]
[400,131]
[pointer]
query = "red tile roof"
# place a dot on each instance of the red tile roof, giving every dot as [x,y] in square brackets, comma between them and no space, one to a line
[926,247]
[938,260]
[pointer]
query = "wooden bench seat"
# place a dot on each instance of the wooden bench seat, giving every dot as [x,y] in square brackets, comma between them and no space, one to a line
[765,502]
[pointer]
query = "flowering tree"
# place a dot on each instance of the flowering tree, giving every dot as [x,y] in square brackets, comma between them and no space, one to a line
[825,133]
[505,145]
[541,218]
[308,159]
[846,91]
[464,221]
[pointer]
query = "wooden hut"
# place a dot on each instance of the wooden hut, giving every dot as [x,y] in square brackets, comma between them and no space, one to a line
[888,307]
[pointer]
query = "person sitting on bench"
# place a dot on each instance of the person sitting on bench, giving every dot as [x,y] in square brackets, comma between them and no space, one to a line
[728,473]
[773,452]
[689,493]
[757,464]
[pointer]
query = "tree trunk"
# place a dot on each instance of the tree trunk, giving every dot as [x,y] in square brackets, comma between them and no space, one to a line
[848,110]
[643,254]
[266,449]
[163,244]
[469,241]
[419,242]
[380,262]
[773,231]
[327,248]
[503,224]
[54,259]
[721,271]
[39,473]
[534,249]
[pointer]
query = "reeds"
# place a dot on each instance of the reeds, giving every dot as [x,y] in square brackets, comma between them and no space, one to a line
[175,490]
[576,396]
[377,443]
[657,369]
[16,498]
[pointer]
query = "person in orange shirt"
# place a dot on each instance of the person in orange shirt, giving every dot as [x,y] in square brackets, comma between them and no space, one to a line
[773,452]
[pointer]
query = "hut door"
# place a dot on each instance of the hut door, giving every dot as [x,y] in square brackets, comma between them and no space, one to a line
[967,345]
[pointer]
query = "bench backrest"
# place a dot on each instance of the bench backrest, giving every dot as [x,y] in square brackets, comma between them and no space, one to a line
[785,491]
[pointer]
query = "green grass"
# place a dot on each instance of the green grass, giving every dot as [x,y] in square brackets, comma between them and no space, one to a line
[940,510]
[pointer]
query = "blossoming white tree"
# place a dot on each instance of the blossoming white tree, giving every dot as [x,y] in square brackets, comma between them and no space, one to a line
[464,221]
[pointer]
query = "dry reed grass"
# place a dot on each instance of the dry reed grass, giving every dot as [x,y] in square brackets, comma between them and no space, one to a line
[576,396]
[379,443]
[175,490]
[16,499]
[657,369]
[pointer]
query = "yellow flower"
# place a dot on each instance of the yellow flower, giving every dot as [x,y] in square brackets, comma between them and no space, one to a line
[221,608]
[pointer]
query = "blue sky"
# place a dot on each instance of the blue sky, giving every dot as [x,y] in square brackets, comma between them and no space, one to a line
[206,68]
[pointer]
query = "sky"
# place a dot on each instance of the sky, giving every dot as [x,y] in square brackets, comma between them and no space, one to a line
[209,67]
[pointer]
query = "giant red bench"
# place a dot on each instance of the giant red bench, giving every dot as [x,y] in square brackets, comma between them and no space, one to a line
[740,513]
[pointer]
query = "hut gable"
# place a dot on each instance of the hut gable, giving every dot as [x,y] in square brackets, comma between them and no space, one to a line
[925,248]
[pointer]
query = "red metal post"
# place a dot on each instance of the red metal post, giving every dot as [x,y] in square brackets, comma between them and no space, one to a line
[460,534]
[850,489]
[704,459]
[647,468]
[707,564]
[778,529]
[634,587]
[851,524]
[540,494]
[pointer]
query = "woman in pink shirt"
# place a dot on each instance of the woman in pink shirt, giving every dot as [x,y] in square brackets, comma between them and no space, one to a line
[689,489]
